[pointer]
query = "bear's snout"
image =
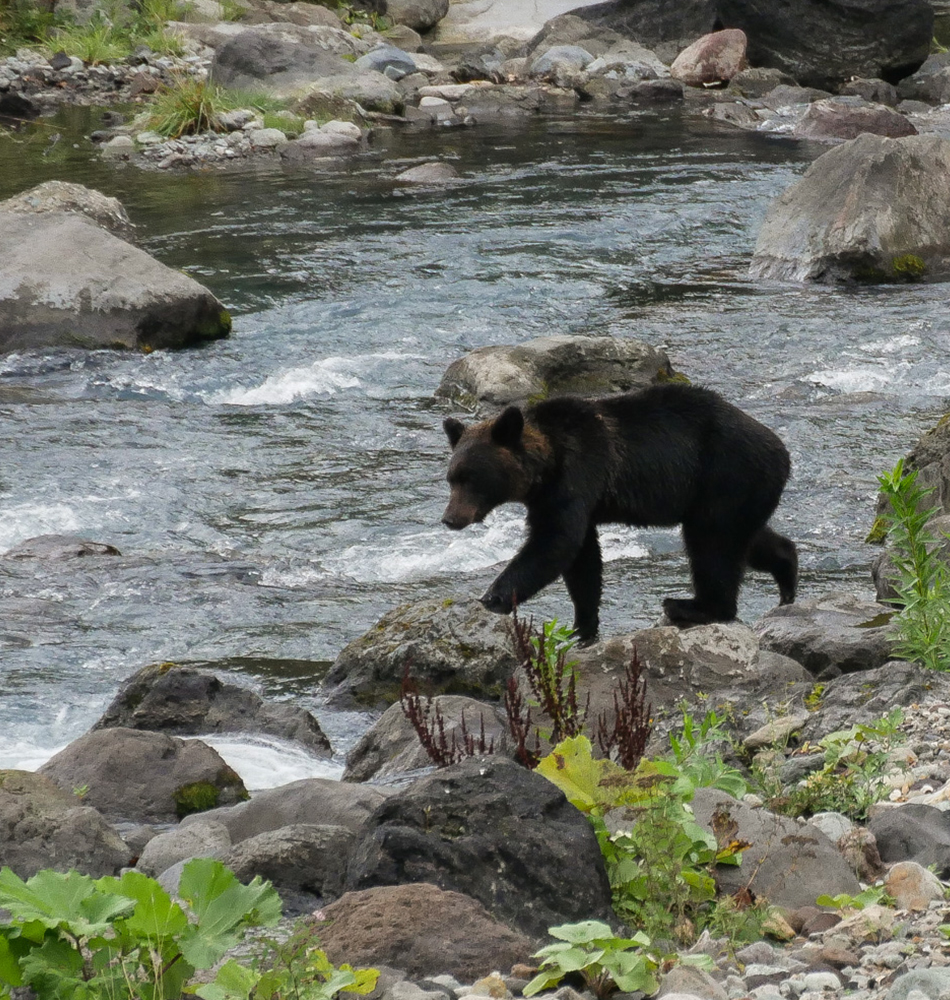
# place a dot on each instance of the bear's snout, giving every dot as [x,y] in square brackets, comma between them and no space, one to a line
[454,521]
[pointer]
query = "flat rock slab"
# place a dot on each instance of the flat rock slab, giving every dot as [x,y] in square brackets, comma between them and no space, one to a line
[65,282]
[830,635]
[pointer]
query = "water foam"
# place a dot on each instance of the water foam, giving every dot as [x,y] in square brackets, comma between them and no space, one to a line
[265,762]
[27,520]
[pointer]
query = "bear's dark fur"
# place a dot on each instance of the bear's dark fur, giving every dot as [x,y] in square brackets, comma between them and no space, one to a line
[670,454]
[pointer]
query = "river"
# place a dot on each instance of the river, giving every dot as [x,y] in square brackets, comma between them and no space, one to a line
[275,493]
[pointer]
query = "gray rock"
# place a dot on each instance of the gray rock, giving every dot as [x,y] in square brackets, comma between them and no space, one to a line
[894,211]
[310,800]
[45,826]
[872,38]
[202,839]
[838,119]
[493,377]
[837,633]
[63,196]
[493,830]
[144,777]
[299,858]
[788,95]
[387,59]
[451,646]
[420,15]
[930,82]
[427,173]
[912,832]
[758,81]
[56,548]
[932,983]
[316,144]
[391,745]
[714,58]
[832,824]
[368,90]
[168,698]
[559,60]
[283,58]
[912,886]
[66,282]
[873,91]
[491,103]
[788,864]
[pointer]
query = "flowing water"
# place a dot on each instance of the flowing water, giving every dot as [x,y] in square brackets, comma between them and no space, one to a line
[275,493]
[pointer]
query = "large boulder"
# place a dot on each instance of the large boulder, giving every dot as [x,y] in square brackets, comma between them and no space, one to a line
[319,801]
[65,196]
[830,635]
[493,377]
[45,826]
[665,27]
[168,698]
[788,864]
[448,647]
[872,209]
[145,777]
[493,830]
[66,282]
[422,929]
[284,58]
[711,59]
[822,43]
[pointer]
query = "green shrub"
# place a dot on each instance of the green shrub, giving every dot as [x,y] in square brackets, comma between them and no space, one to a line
[923,587]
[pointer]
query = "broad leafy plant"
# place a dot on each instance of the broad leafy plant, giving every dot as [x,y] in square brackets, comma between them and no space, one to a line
[72,937]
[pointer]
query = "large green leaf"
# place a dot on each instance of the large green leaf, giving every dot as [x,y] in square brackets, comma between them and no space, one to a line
[10,954]
[156,916]
[221,906]
[54,970]
[232,982]
[58,899]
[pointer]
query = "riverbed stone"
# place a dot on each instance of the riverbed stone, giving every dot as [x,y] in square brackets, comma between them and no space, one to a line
[425,930]
[829,635]
[45,826]
[427,173]
[494,830]
[299,859]
[788,864]
[493,377]
[912,886]
[892,223]
[317,144]
[283,58]
[450,646]
[65,196]
[838,119]
[931,83]
[367,90]
[184,701]
[559,62]
[391,746]
[204,838]
[420,15]
[911,832]
[66,282]
[310,800]
[501,102]
[712,59]
[57,548]
[145,777]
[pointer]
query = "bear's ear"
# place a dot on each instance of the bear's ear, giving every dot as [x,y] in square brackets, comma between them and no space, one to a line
[453,430]
[507,429]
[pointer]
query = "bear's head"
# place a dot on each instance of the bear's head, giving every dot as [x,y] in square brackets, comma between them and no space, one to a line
[488,467]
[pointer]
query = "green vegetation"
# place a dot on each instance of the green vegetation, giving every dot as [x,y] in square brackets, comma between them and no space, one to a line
[849,780]
[661,864]
[71,937]
[873,895]
[923,585]
[605,962]
[295,968]
[909,267]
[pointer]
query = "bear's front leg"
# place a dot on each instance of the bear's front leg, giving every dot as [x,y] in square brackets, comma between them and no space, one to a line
[553,545]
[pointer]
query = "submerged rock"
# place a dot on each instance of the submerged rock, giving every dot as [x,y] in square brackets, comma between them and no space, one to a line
[65,282]
[872,209]
[57,548]
[492,377]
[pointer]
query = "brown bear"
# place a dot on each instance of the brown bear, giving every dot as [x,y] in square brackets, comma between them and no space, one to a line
[669,454]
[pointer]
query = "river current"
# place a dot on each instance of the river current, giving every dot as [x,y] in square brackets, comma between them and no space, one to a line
[275,493]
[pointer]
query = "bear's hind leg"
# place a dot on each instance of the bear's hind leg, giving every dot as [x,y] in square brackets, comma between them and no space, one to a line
[773,553]
[717,566]
[584,582]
